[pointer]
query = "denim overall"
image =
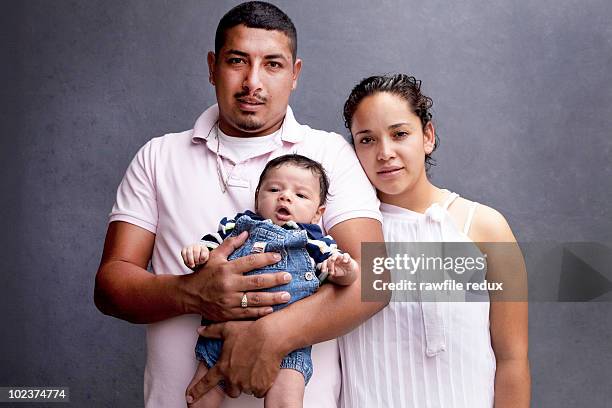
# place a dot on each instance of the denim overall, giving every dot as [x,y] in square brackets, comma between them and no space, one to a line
[264,236]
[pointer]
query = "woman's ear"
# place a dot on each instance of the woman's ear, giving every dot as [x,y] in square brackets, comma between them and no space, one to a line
[429,138]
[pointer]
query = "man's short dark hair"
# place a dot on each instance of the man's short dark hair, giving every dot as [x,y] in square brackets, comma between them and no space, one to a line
[257,14]
[299,161]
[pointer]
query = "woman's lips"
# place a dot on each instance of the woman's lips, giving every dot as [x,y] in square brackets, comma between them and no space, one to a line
[389,172]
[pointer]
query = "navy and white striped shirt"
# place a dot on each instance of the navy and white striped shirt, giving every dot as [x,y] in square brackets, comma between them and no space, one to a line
[319,246]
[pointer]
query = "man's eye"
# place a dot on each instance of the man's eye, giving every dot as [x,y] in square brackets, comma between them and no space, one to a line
[274,64]
[235,60]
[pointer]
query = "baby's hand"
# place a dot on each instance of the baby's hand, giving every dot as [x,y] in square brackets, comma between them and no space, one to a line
[195,255]
[342,269]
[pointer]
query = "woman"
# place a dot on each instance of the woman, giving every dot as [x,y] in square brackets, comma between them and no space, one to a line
[415,354]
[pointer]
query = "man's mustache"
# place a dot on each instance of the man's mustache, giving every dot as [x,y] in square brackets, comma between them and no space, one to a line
[251,98]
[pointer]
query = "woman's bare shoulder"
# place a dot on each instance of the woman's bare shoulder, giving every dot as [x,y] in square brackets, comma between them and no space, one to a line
[489,225]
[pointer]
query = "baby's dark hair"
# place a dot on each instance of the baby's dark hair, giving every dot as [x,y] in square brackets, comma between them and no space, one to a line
[404,86]
[299,161]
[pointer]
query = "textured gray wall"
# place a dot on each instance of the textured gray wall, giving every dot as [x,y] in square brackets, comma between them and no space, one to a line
[523,105]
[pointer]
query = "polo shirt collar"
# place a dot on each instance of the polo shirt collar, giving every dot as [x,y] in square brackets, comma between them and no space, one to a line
[292,131]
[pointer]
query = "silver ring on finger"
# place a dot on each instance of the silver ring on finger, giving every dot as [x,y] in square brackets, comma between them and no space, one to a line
[244,302]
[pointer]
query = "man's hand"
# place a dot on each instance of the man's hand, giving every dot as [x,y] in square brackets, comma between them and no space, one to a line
[125,289]
[216,289]
[249,362]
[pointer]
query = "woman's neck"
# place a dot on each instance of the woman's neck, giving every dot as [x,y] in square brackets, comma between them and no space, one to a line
[418,198]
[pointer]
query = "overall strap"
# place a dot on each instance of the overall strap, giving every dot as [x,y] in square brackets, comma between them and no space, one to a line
[470,217]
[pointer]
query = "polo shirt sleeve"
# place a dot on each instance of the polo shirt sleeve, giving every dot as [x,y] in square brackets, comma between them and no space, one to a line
[136,201]
[350,194]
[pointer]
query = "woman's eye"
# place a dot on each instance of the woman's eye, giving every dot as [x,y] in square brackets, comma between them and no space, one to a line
[401,135]
[366,140]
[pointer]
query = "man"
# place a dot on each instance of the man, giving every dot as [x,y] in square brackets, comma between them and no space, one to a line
[181,184]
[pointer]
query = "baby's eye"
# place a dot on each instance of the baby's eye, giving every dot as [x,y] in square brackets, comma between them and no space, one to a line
[273,189]
[302,195]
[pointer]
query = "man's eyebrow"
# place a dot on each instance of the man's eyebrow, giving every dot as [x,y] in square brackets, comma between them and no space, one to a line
[275,56]
[237,52]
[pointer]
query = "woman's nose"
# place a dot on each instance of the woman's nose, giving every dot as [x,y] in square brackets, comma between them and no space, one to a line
[385,150]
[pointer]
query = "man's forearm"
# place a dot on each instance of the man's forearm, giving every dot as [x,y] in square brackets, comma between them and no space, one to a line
[128,292]
[333,311]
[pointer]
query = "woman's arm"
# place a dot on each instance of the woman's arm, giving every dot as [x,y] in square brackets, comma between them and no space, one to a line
[508,314]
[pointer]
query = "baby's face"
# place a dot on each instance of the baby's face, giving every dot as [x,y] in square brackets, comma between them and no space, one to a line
[290,193]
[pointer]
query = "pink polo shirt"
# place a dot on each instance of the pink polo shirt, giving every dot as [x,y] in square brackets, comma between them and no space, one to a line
[172,188]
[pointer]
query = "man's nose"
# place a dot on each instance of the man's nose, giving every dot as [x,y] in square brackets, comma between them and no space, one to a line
[252,80]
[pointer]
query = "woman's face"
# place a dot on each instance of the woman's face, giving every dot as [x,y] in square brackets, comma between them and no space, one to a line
[390,143]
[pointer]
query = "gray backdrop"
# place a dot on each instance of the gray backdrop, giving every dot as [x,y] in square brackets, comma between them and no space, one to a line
[523,105]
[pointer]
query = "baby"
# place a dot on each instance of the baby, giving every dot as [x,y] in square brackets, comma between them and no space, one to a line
[289,200]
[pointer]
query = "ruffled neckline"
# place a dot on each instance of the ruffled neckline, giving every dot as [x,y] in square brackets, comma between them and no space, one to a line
[435,211]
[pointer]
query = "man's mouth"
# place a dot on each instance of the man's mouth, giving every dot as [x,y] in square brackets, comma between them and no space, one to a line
[250,103]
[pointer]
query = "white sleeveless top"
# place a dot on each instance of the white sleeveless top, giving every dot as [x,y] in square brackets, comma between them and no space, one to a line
[420,355]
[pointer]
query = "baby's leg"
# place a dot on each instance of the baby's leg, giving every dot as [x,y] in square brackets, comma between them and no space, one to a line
[287,390]
[213,398]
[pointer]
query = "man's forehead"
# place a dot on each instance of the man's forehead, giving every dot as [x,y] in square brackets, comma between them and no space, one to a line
[256,41]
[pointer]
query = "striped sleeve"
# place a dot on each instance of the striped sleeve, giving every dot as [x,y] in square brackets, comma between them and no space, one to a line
[212,241]
[322,248]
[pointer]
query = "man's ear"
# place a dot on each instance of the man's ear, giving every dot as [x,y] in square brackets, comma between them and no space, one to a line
[210,58]
[318,214]
[297,68]
[429,138]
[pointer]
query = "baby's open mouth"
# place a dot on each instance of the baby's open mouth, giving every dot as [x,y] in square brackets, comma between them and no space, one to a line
[283,211]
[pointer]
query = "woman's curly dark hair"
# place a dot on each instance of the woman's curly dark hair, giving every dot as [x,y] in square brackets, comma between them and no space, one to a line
[406,87]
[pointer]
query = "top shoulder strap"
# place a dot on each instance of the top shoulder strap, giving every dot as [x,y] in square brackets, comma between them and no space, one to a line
[470,217]
[449,200]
